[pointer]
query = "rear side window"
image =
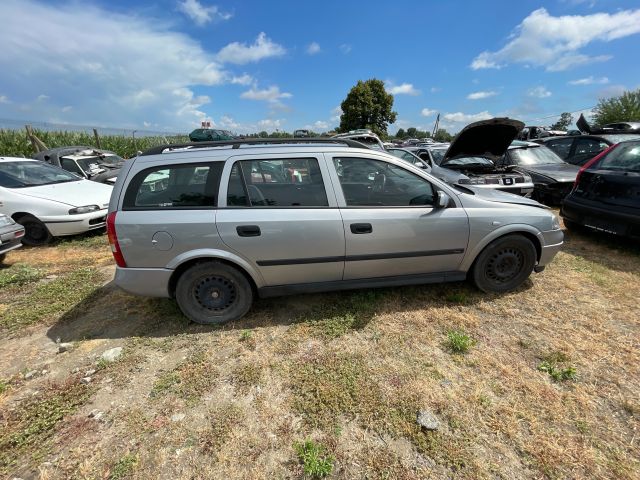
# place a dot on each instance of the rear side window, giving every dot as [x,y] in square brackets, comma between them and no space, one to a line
[167,187]
[277,183]
[623,157]
[562,146]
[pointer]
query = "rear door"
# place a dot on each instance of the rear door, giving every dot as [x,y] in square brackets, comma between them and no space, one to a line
[390,223]
[280,214]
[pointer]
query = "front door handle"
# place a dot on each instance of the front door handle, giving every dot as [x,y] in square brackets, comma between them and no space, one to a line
[248,230]
[360,228]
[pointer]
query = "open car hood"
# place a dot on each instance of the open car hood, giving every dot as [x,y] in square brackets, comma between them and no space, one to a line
[486,138]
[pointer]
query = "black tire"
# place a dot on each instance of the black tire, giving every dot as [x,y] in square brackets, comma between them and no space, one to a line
[504,264]
[35,232]
[572,226]
[2,257]
[213,293]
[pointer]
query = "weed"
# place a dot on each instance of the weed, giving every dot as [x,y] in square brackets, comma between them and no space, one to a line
[558,373]
[165,383]
[457,297]
[245,335]
[18,275]
[28,429]
[4,386]
[124,467]
[458,341]
[316,462]
[189,380]
[246,376]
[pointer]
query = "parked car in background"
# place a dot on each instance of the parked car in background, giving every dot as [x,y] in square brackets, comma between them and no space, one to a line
[49,201]
[348,217]
[474,155]
[91,163]
[533,132]
[552,177]
[606,195]
[364,136]
[210,134]
[409,155]
[301,134]
[11,234]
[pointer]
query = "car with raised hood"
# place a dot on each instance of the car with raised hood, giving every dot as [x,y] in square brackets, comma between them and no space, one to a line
[474,157]
[606,195]
[592,140]
[91,163]
[264,218]
[49,201]
[552,177]
[11,234]
[364,136]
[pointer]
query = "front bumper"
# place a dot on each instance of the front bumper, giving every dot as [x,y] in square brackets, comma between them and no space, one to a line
[604,220]
[148,282]
[552,243]
[62,225]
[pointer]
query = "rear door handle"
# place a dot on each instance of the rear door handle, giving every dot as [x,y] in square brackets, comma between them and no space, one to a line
[248,230]
[360,228]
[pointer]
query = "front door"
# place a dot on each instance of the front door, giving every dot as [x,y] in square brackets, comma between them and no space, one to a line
[280,216]
[391,225]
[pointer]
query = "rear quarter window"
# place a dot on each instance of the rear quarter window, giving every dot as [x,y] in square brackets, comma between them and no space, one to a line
[167,187]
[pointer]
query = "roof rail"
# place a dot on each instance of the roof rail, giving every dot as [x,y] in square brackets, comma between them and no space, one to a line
[252,141]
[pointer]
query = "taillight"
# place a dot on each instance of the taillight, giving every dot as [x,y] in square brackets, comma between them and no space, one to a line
[590,163]
[113,240]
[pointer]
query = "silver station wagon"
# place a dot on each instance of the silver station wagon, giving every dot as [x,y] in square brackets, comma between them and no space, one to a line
[214,224]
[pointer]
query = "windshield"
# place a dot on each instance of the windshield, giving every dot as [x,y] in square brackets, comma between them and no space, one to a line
[89,164]
[466,161]
[534,156]
[32,174]
[437,154]
[624,157]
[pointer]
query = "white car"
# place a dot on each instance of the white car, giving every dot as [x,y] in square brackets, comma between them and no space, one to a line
[49,201]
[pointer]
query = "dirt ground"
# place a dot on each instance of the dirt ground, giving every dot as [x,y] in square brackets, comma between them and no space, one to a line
[540,383]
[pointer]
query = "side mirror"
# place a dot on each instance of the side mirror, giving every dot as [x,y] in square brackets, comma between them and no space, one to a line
[442,199]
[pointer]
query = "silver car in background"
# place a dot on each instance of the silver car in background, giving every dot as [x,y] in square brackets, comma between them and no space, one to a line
[232,220]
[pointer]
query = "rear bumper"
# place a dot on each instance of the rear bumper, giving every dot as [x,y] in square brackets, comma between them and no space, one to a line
[148,282]
[74,224]
[606,220]
[11,238]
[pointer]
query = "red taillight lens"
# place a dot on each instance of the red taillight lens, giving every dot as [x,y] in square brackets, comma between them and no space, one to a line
[113,240]
[590,163]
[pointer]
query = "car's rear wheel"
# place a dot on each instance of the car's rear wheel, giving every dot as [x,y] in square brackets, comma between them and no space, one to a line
[504,264]
[35,232]
[213,293]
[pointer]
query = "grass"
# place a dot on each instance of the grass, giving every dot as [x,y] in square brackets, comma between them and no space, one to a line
[188,381]
[556,364]
[124,467]
[316,462]
[18,275]
[459,342]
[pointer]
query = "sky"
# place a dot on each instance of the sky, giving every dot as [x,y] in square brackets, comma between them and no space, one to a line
[249,66]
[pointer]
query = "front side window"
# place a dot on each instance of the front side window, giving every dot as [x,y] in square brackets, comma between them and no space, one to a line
[174,187]
[295,182]
[562,146]
[376,183]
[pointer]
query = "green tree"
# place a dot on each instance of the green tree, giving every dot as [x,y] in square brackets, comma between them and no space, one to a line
[368,105]
[401,133]
[563,122]
[626,107]
[412,132]
[442,136]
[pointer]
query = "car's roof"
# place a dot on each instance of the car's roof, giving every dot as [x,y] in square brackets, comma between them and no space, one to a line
[614,137]
[521,143]
[20,159]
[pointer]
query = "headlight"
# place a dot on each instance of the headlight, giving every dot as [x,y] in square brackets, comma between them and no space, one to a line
[555,223]
[85,209]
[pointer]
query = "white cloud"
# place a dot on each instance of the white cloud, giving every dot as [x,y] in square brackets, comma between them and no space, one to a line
[459,117]
[241,53]
[590,81]
[612,91]
[227,122]
[481,95]
[4,99]
[271,124]
[42,98]
[336,113]
[538,92]
[402,89]
[271,94]
[200,14]
[67,108]
[427,112]
[133,58]
[435,89]
[321,125]
[345,48]
[554,42]
[244,79]
[313,48]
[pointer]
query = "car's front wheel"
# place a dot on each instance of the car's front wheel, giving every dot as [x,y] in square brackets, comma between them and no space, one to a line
[504,264]
[35,232]
[213,292]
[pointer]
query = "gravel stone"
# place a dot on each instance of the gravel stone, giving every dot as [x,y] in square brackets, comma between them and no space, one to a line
[112,354]
[427,420]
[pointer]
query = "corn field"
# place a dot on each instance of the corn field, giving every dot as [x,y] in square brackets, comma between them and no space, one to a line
[14,143]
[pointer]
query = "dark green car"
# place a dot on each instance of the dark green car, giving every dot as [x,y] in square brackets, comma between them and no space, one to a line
[210,134]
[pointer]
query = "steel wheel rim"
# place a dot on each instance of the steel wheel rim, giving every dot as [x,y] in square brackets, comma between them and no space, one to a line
[504,265]
[215,293]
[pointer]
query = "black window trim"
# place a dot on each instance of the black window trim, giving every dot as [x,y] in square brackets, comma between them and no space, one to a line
[212,185]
